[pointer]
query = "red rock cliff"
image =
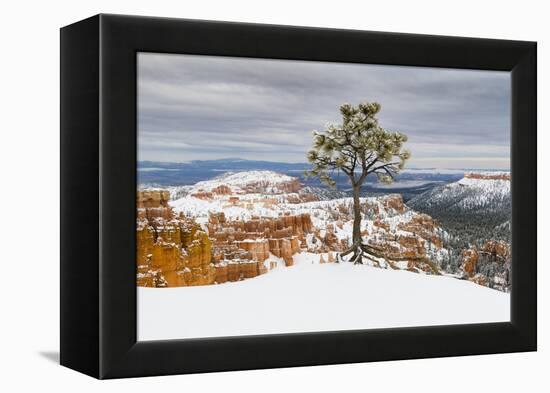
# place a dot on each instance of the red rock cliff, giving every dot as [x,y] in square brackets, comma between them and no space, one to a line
[282,236]
[171,251]
[488,176]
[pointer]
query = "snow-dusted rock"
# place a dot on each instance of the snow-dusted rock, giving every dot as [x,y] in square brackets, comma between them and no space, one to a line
[249,217]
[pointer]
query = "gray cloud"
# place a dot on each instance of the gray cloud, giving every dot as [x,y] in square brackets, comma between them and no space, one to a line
[204,107]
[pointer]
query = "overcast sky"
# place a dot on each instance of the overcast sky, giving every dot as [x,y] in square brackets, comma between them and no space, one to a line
[205,107]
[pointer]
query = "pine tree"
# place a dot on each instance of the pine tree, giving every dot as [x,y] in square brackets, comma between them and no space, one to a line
[358,147]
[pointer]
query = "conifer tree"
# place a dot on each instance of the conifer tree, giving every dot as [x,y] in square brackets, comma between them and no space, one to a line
[358,147]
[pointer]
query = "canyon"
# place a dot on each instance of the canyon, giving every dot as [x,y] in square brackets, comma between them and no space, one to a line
[242,225]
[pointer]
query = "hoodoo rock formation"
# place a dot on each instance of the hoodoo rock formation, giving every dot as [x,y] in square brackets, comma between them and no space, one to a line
[469,261]
[281,236]
[424,227]
[488,264]
[171,250]
[152,199]
[399,237]
[497,249]
[175,250]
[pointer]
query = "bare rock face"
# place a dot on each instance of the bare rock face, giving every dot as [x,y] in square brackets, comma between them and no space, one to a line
[252,182]
[327,241]
[422,265]
[258,249]
[469,261]
[489,264]
[423,226]
[404,252]
[221,190]
[488,176]
[381,224]
[171,251]
[236,242]
[221,273]
[394,202]
[265,186]
[152,198]
[301,197]
[238,270]
[214,192]
[497,249]
[479,279]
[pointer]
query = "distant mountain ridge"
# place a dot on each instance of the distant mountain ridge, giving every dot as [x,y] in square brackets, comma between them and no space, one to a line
[477,206]
[410,183]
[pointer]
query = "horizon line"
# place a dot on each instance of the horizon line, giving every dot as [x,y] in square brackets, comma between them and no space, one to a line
[236,159]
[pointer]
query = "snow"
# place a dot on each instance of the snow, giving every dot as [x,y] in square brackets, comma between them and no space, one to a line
[237,180]
[312,297]
[200,208]
[249,204]
[467,193]
[488,186]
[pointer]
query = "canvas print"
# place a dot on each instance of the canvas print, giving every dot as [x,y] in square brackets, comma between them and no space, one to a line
[282,196]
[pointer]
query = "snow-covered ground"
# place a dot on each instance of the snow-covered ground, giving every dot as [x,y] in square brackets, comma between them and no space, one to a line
[316,297]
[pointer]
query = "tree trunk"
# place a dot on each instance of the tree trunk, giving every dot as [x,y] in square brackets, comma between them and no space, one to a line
[358,249]
[357,240]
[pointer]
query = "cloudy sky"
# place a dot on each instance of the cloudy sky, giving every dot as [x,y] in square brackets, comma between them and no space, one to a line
[205,107]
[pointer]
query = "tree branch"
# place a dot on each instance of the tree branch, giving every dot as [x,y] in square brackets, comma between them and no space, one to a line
[385,166]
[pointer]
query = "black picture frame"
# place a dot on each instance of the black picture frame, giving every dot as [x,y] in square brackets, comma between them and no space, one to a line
[98,185]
